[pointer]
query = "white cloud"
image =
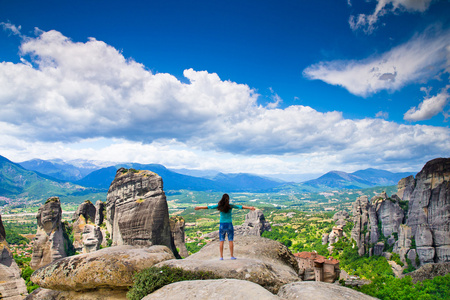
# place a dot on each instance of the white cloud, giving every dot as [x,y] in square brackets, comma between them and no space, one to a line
[428,108]
[368,22]
[382,114]
[66,99]
[419,59]
[11,28]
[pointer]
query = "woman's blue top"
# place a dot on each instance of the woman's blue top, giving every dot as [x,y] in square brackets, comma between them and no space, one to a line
[225,217]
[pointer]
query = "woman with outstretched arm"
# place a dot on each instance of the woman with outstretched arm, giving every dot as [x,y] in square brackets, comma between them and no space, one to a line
[226,221]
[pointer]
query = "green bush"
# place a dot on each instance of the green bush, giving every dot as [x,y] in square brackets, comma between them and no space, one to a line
[151,279]
[26,274]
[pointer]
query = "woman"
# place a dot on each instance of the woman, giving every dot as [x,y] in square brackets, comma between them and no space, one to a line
[226,224]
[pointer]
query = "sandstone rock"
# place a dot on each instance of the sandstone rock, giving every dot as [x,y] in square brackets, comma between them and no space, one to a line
[406,187]
[360,211]
[49,244]
[259,260]
[403,245]
[341,217]
[110,268]
[429,211]
[92,238]
[100,211]
[136,209]
[87,210]
[378,249]
[12,286]
[43,294]
[316,290]
[391,216]
[396,268]
[100,294]
[325,238]
[429,271]
[212,289]
[177,229]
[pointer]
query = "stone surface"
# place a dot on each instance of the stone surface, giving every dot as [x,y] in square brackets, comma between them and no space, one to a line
[177,229]
[391,216]
[429,211]
[259,260]
[212,289]
[429,271]
[87,210]
[100,211]
[136,210]
[316,290]
[87,236]
[49,243]
[12,286]
[111,268]
[341,217]
[406,187]
[360,211]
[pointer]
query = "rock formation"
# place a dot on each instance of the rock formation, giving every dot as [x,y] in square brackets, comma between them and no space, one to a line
[212,289]
[100,210]
[136,210]
[49,244]
[379,217]
[106,273]
[340,218]
[177,229]
[415,221]
[429,211]
[12,286]
[429,271]
[87,236]
[319,291]
[260,260]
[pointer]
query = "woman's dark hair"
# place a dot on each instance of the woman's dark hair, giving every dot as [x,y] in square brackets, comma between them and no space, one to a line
[224,203]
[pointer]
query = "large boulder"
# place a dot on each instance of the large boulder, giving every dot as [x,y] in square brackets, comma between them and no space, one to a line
[429,211]
[260,260]
[12,286]
[49,244]
[361,231]
[316,290]
[110,268]
[87,236]
[136,210]
[429,271]
[177,229]
[405,188]
[212,289]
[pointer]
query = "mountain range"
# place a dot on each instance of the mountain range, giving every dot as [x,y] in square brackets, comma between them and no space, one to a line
[50,178]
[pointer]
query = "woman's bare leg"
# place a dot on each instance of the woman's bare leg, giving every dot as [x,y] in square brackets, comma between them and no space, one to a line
[221,249]
[231,248]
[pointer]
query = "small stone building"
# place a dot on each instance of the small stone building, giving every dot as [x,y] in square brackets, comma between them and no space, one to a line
[317,267]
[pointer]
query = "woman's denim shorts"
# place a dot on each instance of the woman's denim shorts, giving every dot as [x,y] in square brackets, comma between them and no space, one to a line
[226,228]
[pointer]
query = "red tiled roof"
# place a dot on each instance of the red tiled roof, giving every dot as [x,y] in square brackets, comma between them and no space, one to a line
[316,257]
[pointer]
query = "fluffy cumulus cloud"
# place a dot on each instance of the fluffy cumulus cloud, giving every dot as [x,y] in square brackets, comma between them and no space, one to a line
[428,108]
[368,23]
[66,95]
[420,58]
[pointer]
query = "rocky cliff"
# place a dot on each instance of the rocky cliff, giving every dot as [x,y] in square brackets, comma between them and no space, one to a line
[177,229]
[12,286]
[415,222]
[136,210]
[87,236]
[429,211]
[49,244]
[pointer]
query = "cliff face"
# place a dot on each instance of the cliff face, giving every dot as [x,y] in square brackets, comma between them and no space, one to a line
[381,216]
[429,211]
[87,235]
[49,242]
[12,286]
[420,228]
[177,229]
[136,210]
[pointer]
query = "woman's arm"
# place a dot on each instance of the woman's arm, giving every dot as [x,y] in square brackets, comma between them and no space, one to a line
[248,207]
[201,207]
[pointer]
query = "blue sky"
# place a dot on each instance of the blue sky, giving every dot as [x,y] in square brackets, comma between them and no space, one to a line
[299,87]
